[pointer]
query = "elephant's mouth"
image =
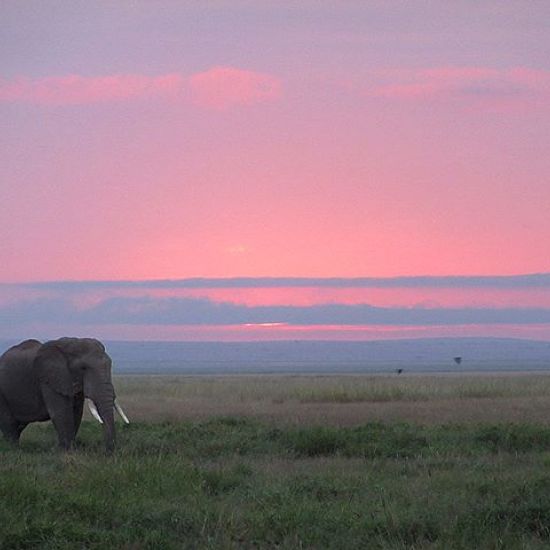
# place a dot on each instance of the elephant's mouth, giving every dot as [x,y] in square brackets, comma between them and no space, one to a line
[97,416]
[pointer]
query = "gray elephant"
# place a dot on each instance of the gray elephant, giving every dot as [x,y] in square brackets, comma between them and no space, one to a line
[50,381]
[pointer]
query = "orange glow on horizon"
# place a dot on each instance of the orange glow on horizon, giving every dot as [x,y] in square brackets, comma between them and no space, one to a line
[242,333]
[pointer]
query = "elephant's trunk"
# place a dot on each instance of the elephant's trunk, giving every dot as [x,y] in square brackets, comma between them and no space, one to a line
[102,394]
[106,411]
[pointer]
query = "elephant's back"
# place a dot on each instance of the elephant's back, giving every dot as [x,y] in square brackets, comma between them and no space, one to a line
[18,383]
[21,353]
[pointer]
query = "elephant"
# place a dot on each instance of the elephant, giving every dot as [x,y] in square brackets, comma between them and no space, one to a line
[49,381]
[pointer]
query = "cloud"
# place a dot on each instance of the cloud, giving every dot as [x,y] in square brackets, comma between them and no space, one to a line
[464,83]
[223,87]
[535,280]
[145,310]
[217,88]
[76,89]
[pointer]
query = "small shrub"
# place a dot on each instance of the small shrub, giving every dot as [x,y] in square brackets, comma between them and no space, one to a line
[317,441]
[512,438]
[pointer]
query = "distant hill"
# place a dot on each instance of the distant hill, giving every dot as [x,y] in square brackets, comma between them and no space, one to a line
[415,355]
[412,356]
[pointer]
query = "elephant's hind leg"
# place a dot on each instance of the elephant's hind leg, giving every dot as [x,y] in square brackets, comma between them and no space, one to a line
[11,429]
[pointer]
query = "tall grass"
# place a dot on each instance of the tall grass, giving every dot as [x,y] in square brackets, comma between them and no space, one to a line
[346,388]
[339,400]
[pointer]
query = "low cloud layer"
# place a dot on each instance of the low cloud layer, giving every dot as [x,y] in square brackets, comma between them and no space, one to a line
[162,309]
[535,280]
[202,311]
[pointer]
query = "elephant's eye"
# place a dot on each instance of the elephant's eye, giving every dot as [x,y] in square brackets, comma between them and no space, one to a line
[79,365]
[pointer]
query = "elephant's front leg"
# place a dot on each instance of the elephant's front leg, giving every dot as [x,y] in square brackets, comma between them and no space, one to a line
[60,409]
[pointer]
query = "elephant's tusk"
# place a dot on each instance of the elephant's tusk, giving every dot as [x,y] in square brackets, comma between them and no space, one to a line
[93,410]
[119,410]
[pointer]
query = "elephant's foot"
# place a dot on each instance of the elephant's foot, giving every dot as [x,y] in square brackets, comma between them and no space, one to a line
[66,446]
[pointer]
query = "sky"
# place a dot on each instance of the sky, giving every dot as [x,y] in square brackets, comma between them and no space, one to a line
[289,143]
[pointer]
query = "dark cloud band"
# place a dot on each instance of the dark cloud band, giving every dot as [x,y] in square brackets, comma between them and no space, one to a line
[203,311]
[535,280]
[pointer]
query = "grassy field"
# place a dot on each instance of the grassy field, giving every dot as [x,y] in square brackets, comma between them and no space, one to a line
[340,400]
[293,462]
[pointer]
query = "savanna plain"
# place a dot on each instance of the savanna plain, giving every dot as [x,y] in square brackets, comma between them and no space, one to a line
[293,462]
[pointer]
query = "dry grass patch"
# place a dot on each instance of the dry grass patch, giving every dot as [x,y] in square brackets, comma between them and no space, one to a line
[339,400]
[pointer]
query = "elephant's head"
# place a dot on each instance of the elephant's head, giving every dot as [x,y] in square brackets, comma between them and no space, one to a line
[71,366]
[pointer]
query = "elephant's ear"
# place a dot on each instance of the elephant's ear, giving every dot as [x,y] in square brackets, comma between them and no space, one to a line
[51,368]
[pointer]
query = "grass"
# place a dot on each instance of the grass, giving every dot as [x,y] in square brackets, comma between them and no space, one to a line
[223,480]
[339,400]
[335,388]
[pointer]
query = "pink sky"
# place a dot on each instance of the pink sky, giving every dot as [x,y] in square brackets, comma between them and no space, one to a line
[314,139]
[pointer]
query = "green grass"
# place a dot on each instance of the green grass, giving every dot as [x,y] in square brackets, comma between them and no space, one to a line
[236,482]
